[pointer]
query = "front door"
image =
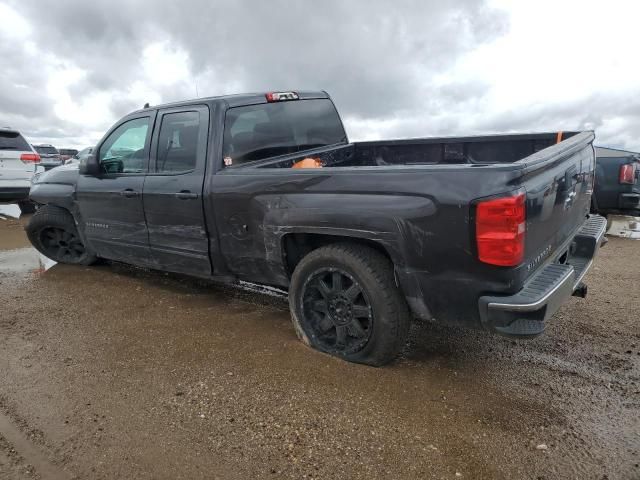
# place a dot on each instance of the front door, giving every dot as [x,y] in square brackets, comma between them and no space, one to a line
[172,195]
[110,203]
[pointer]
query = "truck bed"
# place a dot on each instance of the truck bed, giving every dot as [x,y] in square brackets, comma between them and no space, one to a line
[419,204]
[484,150]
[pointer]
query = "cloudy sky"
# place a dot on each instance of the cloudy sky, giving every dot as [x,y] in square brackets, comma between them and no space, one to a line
[402,68]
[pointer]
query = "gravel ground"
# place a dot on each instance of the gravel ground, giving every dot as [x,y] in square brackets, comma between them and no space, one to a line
[116,372]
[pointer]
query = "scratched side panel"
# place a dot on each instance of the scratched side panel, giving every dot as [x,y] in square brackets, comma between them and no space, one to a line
[420,215]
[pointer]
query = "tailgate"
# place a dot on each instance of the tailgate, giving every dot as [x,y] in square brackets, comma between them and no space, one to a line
[12,168]
[559,183]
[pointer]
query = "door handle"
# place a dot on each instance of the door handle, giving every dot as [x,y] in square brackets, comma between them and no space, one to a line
[186,195]
[129,193]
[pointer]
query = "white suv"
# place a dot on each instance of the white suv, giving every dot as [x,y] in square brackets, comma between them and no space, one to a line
[18,163]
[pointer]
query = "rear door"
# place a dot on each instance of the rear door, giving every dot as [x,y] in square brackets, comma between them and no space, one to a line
[111,202]
[172,195]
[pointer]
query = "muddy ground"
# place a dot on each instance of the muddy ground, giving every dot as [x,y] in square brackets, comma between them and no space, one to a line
[116,372]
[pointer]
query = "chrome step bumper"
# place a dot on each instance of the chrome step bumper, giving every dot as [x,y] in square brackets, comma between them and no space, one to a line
[524,314]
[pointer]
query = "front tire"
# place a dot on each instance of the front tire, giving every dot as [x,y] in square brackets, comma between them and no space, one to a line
[52,231]
[344,301]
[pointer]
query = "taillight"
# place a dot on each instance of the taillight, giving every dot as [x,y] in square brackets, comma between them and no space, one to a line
[500,228]
[30,158]
[628,173]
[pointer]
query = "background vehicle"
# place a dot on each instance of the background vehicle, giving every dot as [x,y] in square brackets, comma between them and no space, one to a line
[617,188]
[81,155]
[67,153]
[18,162]
[488,232]
[49,155]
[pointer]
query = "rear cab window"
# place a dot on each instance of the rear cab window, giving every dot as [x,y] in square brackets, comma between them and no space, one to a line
[259,132]
[13,141]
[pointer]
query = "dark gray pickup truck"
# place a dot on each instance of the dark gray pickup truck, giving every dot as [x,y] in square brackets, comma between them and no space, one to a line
[488,232]
[617,188]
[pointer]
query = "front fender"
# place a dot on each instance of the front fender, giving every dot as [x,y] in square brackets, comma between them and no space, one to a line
[56,187]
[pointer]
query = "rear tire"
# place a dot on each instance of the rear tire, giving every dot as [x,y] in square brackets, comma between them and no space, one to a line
[344,301]
[52,231]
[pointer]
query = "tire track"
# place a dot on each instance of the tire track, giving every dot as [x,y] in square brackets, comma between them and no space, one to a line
[29,452]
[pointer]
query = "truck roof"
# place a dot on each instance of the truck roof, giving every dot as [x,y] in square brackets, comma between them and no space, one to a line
[238,100]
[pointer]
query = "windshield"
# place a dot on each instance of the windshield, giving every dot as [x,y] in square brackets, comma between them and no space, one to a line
[262,131]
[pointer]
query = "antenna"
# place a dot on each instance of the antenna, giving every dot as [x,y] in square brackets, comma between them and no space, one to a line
[196,83]
[146,105]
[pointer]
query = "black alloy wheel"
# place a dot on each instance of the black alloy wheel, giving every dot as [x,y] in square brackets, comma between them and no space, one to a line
[61,245]
[338,310]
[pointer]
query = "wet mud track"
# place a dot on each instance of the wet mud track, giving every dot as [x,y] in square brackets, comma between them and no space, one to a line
[116,372]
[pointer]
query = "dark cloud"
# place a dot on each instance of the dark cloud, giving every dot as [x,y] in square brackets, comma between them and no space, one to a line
[374,57]
[379,60]
[23,96]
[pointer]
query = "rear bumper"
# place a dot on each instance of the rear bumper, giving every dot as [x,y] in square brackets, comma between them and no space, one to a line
[49,166]
[525,313]
[629,201]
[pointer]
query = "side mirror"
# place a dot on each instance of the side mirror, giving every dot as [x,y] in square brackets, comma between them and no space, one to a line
[89,165]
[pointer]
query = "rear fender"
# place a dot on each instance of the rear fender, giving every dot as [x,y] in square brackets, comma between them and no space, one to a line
[384,219]
[387,220]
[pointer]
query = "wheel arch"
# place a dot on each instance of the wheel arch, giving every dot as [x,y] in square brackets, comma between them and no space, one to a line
[296,245]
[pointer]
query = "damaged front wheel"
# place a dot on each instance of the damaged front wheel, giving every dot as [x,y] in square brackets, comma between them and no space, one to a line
[52,231]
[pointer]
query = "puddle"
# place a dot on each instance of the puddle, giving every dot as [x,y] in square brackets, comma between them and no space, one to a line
[24,260]
[624,226]
[17,256]
[12,211]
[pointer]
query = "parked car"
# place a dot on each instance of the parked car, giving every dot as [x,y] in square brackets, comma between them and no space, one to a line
[18,161]
[80,156]
[67,153]
[617,189]
[489,232]
[50,157]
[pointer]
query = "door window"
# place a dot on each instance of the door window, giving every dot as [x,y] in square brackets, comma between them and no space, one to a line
[178,142]
[124,151]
